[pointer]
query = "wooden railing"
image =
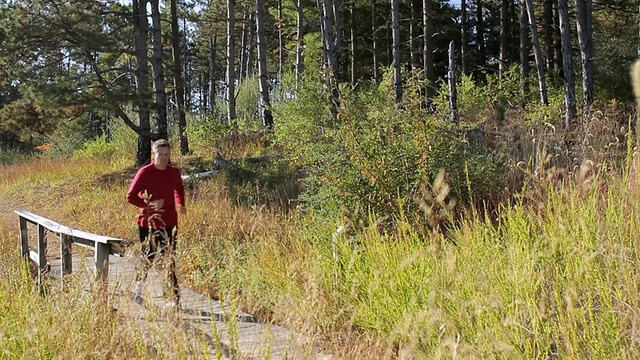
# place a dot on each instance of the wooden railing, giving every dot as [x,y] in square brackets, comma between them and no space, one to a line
[103,246]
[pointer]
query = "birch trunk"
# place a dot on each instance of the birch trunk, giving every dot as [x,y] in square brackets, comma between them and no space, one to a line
[557,41]
[464,36]
[280,42]
[427,32]
[300,44]
[265,103]
[585,40]
[250,62]
[352,40]
[547,18]
[569,83]
[213,44]
[244,51]
[397,70]
[542,87]
[374,38]
[453,92]
[231,76]
[480,35]
[524,52]
[331,42]
[504,27]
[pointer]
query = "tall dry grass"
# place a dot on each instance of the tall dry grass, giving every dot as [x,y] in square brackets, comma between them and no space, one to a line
[555,280]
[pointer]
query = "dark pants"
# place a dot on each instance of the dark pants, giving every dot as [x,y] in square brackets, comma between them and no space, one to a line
[161,245]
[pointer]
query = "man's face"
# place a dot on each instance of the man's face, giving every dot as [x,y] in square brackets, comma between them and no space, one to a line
[161,157]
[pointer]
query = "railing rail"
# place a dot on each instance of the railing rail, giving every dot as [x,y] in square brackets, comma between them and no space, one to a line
[103,246]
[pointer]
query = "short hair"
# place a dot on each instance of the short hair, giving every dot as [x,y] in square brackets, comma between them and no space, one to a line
[158,144]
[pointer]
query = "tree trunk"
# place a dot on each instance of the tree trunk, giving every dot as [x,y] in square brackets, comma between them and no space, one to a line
[547,18]
[414,50]
[158,71]
[213,44]
[569,83]
[453,93]
[178,80]
[352,40]
[331,42]
[265,103]
[185,66]
[557,41]
[323,32]
[542,86]
[141,28]
[482,54]
[374,40]
[231,80]
[244,47]
[525,46]
[250,65]
[300,44]
[337,25]
[585,39]
[280,44]
[504,31]
[397,70]
[429,47]
[464,36]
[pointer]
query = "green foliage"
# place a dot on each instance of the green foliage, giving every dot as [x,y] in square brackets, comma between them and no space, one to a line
[382,158]
[553,113]
[120,142]
[248,100]
[205,130]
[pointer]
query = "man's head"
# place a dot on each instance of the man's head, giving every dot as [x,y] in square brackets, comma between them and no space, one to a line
[161,150]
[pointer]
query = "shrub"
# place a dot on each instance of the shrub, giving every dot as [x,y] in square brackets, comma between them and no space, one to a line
[379,156]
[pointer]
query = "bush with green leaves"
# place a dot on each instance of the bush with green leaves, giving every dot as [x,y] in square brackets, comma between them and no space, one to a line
[120,141]
[382,157]
[247,102]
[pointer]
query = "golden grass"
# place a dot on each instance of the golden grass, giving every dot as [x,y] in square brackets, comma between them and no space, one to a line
[558,281]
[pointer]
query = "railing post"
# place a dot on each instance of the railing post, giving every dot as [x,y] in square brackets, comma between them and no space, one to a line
[101,259]
[42,255]
[24,239]
[65,256]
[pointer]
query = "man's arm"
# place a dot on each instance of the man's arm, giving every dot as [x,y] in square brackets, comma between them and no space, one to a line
[133,195]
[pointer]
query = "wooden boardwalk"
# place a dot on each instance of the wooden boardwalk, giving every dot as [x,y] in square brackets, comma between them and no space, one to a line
[228,335]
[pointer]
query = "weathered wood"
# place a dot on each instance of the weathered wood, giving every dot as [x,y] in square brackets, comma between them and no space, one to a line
[42,255]
[33,255]
[61,229]
[103,246]
[65,255]
[24,240]
[101,260]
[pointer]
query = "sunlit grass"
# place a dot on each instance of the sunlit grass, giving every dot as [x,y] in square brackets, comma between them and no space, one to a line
[556,279]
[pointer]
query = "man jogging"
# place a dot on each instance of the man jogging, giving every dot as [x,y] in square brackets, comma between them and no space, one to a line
[157,190]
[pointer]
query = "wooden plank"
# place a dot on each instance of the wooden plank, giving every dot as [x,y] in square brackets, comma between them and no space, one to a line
[101,260]
[115,247]
[61,229]
[33,255]
[42,255]
[24,239]
[65,255]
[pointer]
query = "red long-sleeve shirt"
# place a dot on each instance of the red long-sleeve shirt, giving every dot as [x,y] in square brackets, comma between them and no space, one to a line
[158,184]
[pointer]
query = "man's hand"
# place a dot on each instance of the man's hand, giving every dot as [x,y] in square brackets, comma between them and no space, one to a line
[156,205]
[181,209]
